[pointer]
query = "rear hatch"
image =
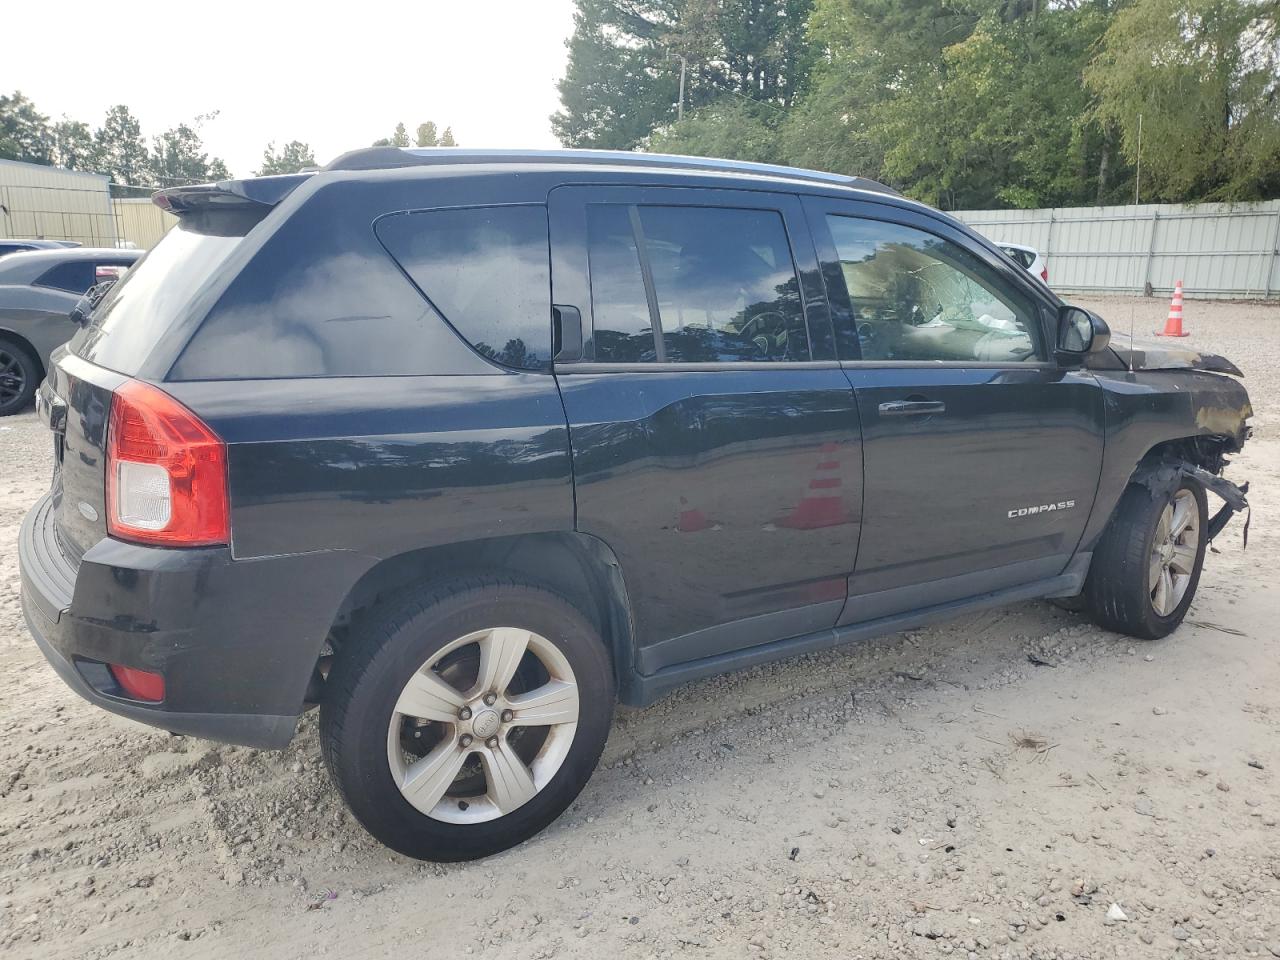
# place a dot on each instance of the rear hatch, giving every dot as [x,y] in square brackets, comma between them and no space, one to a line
[155,297]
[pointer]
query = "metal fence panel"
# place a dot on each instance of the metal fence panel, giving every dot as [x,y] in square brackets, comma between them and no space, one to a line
[49,203]
[1215,249]
[55,204]
[140,222]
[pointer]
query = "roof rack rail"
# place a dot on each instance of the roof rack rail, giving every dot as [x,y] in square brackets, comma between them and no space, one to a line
[378,158]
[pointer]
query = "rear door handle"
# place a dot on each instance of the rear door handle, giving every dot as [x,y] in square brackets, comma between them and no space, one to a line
[567,332]
[912,408]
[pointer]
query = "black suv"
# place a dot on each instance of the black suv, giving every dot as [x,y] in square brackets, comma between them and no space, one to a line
[465,446]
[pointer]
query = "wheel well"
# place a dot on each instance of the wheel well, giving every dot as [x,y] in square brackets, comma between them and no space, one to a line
[25,344]
[1208,451]
[580,568]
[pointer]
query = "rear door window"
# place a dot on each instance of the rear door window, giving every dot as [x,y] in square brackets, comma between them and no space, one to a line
[692,284]
[486,270]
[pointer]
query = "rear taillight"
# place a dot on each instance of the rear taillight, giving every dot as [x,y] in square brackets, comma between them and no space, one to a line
[1044,274]
[166,472]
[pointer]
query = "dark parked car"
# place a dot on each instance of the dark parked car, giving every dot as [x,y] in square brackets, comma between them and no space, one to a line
[19,245]
[38,290]
[465,446]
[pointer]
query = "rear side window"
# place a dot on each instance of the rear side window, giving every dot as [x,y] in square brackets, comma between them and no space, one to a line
[486,271]
[77,276]
[693,285]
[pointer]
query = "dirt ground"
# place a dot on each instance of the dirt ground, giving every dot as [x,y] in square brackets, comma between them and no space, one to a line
[988,788]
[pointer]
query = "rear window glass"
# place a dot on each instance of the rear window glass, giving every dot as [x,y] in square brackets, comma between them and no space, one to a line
[1024,257]
[150,298]
[486,270]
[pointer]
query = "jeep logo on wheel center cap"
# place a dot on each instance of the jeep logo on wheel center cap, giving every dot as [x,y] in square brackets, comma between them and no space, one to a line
[485,724]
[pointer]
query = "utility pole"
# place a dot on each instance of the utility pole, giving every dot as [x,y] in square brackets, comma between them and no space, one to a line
[1137,179]
[684,67]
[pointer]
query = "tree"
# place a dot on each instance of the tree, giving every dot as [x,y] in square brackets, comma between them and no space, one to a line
[446,138]
[1001,119]
[1205,77]
[622,82]
[24,132]
[122,153]
[178,157]
[73,146]
[292,158]
[729,128]
[401,136]
[618,85]
[427,135]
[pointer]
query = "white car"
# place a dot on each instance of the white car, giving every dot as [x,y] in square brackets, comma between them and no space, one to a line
[1027,257]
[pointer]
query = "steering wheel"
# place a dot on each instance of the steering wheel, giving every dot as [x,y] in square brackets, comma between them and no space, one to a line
[766,341]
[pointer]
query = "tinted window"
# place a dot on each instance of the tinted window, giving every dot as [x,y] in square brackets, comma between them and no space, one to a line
[721,285]
[149,298]
[486,271]
[619,306]
[916,296]
[74,277]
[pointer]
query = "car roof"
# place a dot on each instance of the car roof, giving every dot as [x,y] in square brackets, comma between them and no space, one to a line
[26,266]
[384,158]
[1015,246]
[36,244]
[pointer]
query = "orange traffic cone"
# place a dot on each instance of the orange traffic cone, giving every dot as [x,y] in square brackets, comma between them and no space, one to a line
[823,504]
[691,520]
[1173,326]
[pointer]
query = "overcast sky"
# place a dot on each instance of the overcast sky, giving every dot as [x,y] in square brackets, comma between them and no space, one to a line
[335,76]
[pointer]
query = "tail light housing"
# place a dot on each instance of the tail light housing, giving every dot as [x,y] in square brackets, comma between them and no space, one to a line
[166,472]
[1044,273]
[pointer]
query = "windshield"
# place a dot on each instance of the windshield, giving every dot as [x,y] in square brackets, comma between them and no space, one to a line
[151,298]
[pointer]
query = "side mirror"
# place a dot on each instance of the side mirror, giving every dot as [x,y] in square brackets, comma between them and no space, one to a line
[1080,333]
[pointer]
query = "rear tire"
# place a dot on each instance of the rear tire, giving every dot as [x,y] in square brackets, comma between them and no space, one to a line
[421,719]
[1150,538]
[19,377]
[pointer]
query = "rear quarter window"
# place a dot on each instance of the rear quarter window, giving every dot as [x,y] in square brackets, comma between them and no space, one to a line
[486,271]
[76,276]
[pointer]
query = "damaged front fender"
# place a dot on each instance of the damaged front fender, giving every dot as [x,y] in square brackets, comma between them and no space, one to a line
[1163,477]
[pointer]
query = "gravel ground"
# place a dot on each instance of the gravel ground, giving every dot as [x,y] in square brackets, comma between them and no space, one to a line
[1015,784]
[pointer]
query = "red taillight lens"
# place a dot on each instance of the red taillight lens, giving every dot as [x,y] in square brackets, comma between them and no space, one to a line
[166,472]
[1044,274]
[139,684]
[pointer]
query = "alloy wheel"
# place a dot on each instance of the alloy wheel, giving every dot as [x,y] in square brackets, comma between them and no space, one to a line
[483,726]
[1173,553]
[13,378]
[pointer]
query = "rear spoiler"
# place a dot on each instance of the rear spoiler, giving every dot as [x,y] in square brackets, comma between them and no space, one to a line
[257,193]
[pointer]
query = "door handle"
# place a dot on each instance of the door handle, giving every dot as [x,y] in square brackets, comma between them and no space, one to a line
[912,408]
[566,332]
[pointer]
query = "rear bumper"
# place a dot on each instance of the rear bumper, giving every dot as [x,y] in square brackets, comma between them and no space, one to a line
[235,640]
